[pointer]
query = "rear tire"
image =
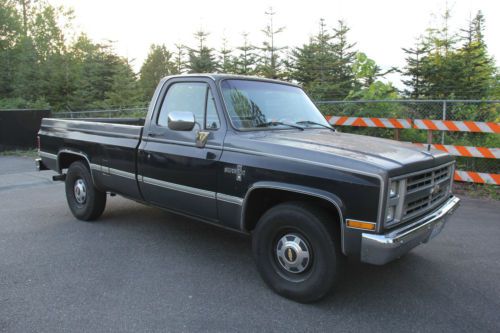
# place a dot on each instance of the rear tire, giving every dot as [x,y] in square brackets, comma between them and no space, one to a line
[85,201]
[296,251]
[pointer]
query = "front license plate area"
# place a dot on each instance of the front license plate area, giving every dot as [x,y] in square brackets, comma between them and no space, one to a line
[437,229]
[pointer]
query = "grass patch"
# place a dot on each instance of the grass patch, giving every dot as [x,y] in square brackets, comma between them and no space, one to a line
[474,190]
[20,152]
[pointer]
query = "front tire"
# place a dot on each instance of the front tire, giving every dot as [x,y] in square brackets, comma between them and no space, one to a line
[296,251]
[85,201]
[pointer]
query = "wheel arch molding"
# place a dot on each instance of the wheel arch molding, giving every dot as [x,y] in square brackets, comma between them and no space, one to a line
[257,200]
[67,156]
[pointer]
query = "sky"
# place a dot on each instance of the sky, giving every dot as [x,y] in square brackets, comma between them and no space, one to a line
[379,28]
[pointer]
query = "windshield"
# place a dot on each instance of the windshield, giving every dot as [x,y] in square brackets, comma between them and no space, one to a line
[257,105]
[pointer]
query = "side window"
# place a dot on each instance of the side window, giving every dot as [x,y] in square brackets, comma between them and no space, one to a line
[194,97]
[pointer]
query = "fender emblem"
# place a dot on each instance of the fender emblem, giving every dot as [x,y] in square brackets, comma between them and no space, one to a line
[238,171]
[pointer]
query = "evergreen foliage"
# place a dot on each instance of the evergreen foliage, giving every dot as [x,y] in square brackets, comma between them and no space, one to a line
[41,67]
[444,65]
[201,59]
[271,63]
[158,64]
[245,62]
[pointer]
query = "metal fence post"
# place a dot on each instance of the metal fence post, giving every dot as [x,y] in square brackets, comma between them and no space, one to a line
[444,118]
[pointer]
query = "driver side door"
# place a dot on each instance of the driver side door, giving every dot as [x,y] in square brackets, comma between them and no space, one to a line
[174,172]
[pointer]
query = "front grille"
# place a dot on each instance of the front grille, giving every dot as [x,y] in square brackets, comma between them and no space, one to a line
[426,190]
[426,179]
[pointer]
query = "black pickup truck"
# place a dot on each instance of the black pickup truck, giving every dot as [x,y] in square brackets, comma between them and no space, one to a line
[256,156]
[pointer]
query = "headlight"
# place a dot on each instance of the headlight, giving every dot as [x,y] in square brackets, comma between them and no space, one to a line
[389,214]
[396,192]
[393,189]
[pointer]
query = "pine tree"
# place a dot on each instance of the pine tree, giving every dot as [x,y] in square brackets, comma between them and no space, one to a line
[201,60]
[442,66]
[414,70]
[304,64]
[94,67]
[245,63]
[157,65]
[324,66]
[227,63]
[478,74]
[313,64]
[270,62]
[344,55]
[180,62]
[437,68]
[124,91]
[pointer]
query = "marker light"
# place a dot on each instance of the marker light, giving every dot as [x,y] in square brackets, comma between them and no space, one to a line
[361,225]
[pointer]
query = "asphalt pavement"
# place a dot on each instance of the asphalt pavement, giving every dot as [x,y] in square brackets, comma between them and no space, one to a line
[140,269]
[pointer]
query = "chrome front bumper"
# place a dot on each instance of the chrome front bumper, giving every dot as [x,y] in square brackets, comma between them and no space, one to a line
[380,249]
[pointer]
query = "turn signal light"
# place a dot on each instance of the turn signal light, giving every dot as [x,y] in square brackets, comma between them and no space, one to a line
[361,225]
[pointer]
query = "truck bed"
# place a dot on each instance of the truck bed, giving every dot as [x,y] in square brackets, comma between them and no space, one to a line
[108,144]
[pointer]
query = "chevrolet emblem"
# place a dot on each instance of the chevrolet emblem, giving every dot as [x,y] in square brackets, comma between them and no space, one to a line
[435,189]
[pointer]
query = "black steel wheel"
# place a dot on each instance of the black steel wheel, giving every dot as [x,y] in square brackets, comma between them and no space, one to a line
[296,251]
[85,201]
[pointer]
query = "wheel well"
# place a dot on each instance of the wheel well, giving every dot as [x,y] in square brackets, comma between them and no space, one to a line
[65,160]
[260,200]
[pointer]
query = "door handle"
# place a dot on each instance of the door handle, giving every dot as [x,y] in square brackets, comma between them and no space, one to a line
[152,135]
[211,156]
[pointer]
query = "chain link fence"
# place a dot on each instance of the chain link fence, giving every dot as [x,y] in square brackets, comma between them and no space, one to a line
[458,110]
[111,113]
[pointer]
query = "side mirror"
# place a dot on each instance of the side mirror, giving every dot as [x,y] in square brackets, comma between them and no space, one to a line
[181,121]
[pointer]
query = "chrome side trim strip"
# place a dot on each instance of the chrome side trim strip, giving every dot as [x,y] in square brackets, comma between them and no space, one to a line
[230,199]
[96,167]
[80,121]
[180,188]
[93,131]
[120,173]
[181,143]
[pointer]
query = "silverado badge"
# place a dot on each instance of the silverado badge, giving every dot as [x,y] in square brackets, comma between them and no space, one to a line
[238,171]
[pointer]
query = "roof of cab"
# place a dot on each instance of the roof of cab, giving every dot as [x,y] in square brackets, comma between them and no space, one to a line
[220,77]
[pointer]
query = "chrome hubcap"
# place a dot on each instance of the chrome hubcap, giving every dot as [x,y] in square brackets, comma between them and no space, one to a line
[80,191]
[293,254]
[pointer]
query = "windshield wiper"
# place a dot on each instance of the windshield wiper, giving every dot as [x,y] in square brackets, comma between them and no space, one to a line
[310,122]
[277,123]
